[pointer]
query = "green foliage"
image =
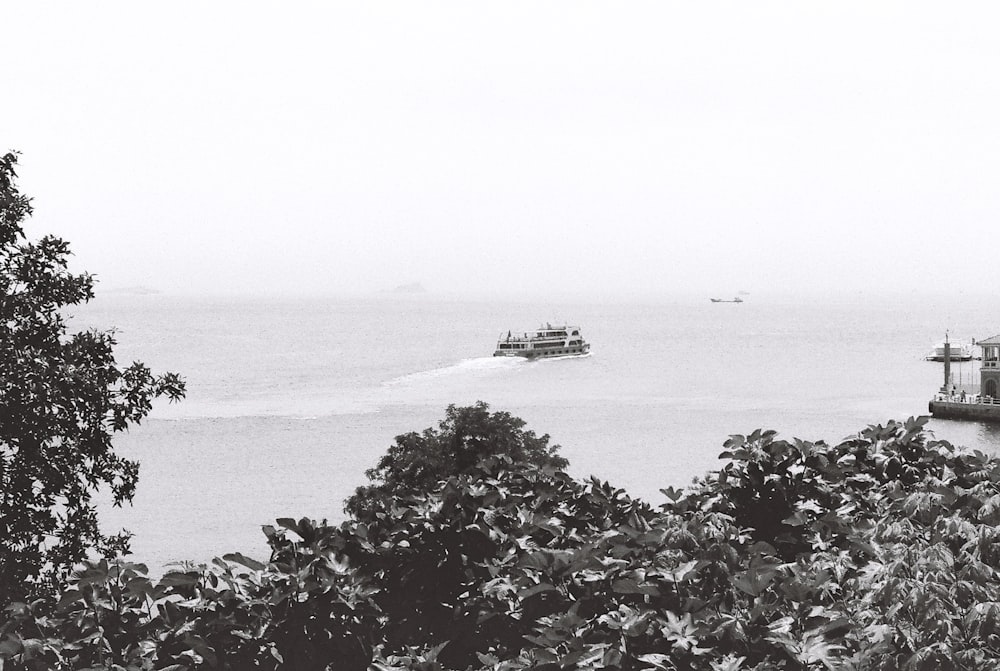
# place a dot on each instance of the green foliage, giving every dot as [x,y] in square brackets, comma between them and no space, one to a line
[880,552]
[449,567]
[466,437]
[62,397]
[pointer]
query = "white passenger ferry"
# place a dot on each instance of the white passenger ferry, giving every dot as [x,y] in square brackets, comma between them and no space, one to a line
[547,341]
[957,352]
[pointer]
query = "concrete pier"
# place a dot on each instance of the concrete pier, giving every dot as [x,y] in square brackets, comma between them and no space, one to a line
[956,409]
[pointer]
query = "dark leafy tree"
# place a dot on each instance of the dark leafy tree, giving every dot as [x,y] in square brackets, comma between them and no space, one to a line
[884,556]
[465,438]
[62,398]
[441,562]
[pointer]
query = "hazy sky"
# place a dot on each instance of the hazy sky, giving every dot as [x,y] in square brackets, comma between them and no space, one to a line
[696,147]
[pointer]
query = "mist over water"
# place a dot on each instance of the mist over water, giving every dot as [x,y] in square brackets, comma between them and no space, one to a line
[290,400]
[521,147]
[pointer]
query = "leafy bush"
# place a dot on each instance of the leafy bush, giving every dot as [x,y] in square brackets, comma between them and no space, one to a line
[464,438]
[880,552]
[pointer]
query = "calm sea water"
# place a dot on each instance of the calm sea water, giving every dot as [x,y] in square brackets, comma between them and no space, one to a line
[289,401]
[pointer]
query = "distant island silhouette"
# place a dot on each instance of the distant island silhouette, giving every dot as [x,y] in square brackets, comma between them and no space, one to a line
[412,288]
[131,291]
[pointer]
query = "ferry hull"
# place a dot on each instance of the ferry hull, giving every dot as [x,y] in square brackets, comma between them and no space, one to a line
[952,357]
[544,354]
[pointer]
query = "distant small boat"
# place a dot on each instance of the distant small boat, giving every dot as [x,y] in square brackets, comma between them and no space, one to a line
[959,352]
[722,300]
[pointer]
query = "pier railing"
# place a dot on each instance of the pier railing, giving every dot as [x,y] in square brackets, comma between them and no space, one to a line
[971,399]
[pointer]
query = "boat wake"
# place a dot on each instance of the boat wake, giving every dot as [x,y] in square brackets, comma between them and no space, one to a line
[304,405]
[560,358]
[489,365]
